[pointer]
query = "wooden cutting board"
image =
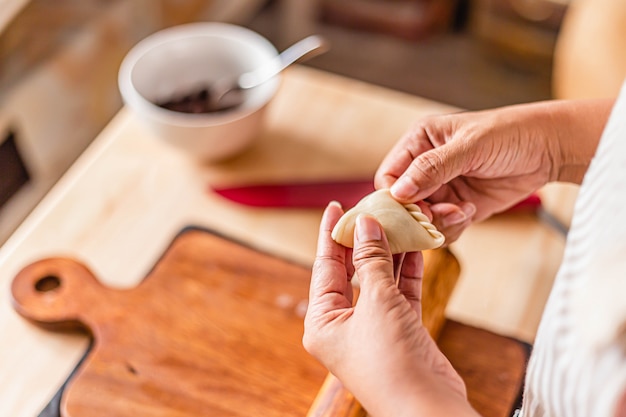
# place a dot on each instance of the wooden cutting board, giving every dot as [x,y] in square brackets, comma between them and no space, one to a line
[215,329]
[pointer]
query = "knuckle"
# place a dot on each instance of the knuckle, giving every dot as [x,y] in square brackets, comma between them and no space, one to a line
[316,342]
[372,264]
[310,338]
[452,233]
[322,265]
[309,342]
[318,267]
[370,254]
[379,295]
[424,122]
[429,166]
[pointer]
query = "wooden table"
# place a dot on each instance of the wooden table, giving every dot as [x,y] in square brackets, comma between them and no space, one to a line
[129,194]
[8,10]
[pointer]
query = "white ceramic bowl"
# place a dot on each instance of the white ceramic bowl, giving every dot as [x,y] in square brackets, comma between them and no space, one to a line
[177,60]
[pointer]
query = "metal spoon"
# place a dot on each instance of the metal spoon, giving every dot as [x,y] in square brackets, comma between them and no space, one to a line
[227,92]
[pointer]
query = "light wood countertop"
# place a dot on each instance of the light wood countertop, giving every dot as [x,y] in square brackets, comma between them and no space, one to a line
[8,10]
[129,194]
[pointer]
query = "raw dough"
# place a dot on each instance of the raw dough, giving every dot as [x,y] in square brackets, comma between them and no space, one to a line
[406,227]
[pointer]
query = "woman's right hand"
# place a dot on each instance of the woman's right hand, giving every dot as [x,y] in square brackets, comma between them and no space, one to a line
[468,166]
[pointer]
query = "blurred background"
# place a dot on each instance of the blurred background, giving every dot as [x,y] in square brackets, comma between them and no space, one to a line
[59,62]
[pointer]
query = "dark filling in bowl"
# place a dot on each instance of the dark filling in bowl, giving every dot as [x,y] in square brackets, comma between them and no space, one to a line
[198,101]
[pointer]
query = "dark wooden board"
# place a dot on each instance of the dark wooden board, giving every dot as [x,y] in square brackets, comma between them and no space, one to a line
[492,366]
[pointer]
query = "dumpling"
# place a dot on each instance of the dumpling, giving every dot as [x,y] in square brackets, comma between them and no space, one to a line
[406,227]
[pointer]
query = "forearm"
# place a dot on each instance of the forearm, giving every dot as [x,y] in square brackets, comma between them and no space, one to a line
[578,127]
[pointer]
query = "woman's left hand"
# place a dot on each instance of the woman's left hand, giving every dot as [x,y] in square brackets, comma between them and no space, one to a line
[378,348]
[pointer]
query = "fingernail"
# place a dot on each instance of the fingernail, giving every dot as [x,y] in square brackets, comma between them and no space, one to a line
[404,188]
[469,209]
[367,229]
[454,218]
[335,203]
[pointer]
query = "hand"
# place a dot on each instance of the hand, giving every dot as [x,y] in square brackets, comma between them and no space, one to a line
[469,166]
[379,348]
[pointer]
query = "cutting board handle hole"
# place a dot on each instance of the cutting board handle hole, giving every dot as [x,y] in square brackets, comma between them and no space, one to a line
[48,283]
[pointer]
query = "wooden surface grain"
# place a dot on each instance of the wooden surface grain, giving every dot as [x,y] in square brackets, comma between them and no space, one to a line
[120,205]
[214,329]
[8,10]
[491,365]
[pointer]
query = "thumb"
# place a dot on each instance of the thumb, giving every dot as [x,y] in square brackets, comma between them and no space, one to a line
[430,170]
[371,254]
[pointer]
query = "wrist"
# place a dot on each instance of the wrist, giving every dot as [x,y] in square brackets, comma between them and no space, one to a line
[436,398]
[427,395]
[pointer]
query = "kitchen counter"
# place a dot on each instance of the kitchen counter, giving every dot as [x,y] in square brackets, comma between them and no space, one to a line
[59,59]
[8,10]
[127,196]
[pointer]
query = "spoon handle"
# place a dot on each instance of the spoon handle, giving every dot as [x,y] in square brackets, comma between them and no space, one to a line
[308,47]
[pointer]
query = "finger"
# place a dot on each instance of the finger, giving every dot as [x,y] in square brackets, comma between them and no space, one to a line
[349,294]
[392,167]
[349,264]
[413,143]
[371,255]
[330,294]
[452,219]
[329,269]
[410,282]
[397,259]
[430,170]
[448,215]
